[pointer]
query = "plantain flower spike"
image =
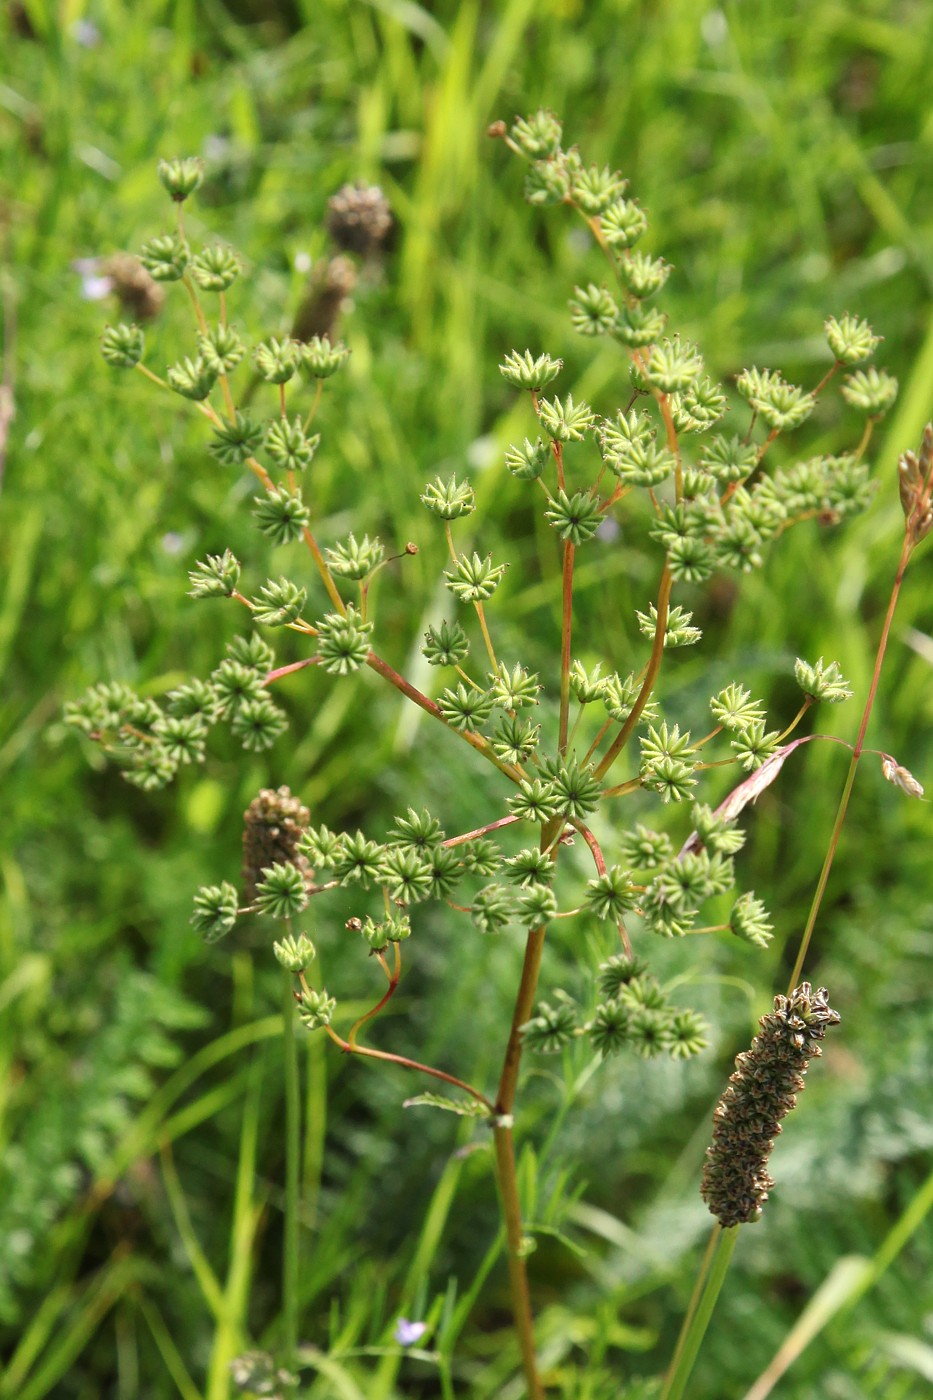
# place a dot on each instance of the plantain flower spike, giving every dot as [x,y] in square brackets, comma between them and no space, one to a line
[762,1091]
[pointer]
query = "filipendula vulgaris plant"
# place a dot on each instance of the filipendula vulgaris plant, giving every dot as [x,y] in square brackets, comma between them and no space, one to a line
[677,444]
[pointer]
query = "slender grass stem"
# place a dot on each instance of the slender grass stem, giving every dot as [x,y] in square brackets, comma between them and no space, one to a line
[155,378]
[318,390]
[716,1261]
[259,472]
[290,1256]
[712,1276]
[694,1299]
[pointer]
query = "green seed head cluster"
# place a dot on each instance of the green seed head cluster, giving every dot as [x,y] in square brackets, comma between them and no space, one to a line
[150,741]
[762,1091]
[215,910]
[685,460]
[634,1015]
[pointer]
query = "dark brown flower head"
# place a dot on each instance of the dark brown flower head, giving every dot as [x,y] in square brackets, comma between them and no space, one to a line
[359,219]
[139,294]
[330,284]
[272,827]
[763,1090]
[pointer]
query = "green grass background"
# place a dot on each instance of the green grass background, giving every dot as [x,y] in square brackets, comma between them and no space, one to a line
[785,154]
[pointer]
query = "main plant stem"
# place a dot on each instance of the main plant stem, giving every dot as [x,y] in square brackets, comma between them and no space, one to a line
[505,1163]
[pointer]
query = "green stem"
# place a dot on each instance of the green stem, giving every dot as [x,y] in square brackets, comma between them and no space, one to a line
[292,1170]
[490,651]
[808,701]
[853,766]
[193,297]
[712,1275]
[327,577]
[695,1297]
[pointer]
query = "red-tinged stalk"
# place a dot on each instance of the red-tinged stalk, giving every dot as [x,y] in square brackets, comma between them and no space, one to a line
[565,638]
[327,577]
[490,650]
[476,741]
[405,1063]
[853,768]
[651,672]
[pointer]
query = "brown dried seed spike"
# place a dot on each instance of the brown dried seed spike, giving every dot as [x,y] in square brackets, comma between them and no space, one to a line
[762,1090]
[272,827]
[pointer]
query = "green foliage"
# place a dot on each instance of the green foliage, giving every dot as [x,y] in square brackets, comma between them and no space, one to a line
[78,1113]
[761,248]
